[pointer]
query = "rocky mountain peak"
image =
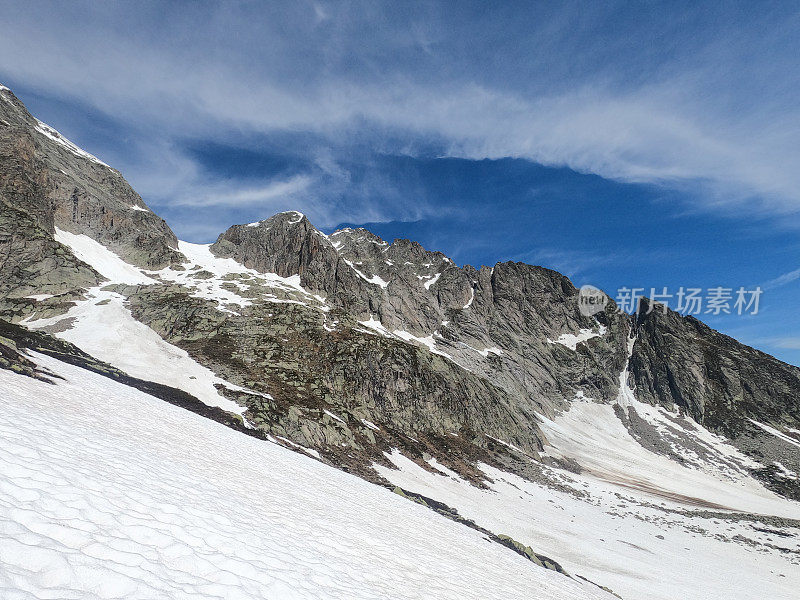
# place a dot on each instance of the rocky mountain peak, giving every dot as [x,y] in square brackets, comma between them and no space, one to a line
[60,186]
[286,244]
[678,360]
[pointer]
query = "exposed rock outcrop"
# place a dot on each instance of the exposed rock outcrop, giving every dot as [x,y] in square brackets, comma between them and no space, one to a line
[730,388]
[59,185]
[720,382]
[499,322]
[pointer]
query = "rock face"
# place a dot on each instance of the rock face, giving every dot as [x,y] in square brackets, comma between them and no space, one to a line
[388,345]
[349,393]
[436,356]
[59,185]
[720,382]
[33,263]
[499,322]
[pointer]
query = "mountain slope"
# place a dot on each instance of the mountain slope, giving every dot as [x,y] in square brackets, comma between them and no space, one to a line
[48,184]
[747,395]
[106,492]
[485,389]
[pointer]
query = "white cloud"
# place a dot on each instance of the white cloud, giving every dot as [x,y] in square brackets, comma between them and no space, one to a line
[687,124]
[782,280]
[233,194]
[784,343]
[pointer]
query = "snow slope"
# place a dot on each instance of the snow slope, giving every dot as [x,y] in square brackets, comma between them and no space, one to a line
[102,326]
[106,492]
[101,259]
[616,538]
[591,434]
[630,520]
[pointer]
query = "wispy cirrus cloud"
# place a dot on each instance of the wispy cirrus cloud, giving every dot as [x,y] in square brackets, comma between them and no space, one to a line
[782,280]
[781,342]
[232,194]
[788,343]
[715,111]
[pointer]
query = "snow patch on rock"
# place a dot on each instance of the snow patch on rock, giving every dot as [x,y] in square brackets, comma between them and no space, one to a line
[432,279]
[102,326]
[59,139]
[101,259]
[772,431]
[471,298]
[374,279]
[571,340]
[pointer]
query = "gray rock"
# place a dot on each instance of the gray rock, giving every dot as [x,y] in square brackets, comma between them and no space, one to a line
[58,185]
[720,382]
[513,307]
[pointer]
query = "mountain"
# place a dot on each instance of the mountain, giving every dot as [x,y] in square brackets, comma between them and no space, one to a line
[593,446]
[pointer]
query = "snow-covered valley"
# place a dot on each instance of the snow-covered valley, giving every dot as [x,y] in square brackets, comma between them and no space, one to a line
[649,543]
[106,492]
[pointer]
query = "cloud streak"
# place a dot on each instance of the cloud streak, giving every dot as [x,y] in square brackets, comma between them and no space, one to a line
[231,194]
[782,280]
[690,119]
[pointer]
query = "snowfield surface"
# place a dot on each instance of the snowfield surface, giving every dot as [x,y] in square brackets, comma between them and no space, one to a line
[591,434]
[611,537]
[106,492]
[102,326]
[629,520]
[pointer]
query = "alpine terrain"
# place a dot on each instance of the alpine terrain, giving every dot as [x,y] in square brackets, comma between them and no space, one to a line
[289,414]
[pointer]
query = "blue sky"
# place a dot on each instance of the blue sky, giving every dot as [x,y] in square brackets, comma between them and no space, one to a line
[624,144]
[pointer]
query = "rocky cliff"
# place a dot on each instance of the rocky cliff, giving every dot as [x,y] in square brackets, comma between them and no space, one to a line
[726,386]
[49,184]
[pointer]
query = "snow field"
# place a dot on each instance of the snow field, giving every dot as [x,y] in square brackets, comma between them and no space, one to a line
[101,259]
[614,538]
[591,434]
[106,492]
[104,327]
